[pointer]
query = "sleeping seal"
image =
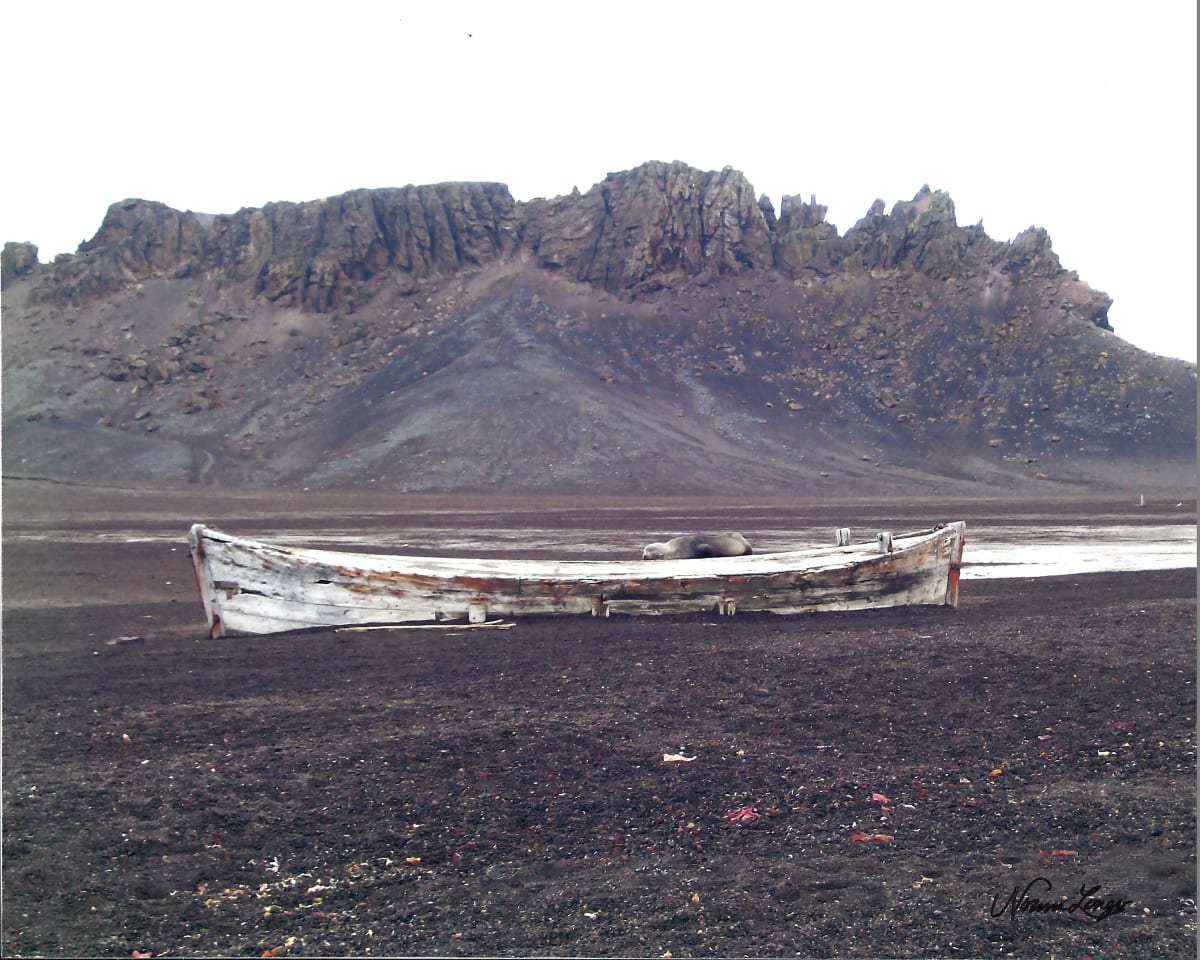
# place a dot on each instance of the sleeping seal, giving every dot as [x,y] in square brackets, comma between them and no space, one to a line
[693,547]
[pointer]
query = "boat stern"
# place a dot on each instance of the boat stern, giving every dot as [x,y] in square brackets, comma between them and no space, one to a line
[955,543]
[204,580]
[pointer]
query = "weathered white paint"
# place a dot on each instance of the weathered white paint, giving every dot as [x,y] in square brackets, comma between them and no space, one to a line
[253,587]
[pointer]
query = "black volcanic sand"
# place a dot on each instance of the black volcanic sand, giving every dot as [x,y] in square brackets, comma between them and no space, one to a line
[458,792]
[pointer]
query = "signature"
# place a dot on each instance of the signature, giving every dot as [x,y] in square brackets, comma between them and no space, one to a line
[1087,904]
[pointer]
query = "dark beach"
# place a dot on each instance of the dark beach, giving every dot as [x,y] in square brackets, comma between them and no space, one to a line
[1016,777]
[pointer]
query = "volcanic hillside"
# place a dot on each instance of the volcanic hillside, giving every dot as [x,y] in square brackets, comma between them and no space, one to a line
[663,332]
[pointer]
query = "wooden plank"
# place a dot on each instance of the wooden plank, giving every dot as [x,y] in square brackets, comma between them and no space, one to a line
[486,625]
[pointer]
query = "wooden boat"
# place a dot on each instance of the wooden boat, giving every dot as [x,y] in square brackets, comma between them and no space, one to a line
[253,587]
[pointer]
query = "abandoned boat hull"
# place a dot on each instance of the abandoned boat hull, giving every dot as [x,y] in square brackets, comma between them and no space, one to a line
[251,587]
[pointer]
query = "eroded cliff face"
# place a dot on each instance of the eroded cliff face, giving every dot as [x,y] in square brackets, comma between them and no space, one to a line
[633,232]
[310,255]
[626,339]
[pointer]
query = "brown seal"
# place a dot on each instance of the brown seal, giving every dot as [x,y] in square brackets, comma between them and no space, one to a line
[693,547]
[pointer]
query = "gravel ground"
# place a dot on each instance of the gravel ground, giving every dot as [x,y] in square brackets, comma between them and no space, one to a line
[917,782]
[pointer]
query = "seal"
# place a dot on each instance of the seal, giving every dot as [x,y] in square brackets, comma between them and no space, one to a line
[696,546]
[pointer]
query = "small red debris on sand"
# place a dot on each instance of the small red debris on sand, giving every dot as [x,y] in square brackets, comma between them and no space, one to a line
[742,815]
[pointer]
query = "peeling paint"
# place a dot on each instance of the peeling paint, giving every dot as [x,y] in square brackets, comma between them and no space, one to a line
[252,587]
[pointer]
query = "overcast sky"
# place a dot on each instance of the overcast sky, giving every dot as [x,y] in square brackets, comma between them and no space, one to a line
[1079,117]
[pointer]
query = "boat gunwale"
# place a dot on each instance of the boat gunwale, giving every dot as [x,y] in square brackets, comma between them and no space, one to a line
[549,569]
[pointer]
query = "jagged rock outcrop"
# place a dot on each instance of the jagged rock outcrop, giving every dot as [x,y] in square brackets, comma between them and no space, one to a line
[309,255]
[922,234]
[138,240]
[314,254]
[17,260]
[804,243]
[632,232]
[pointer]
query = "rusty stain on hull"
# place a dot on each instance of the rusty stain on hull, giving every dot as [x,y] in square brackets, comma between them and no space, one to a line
[252,587]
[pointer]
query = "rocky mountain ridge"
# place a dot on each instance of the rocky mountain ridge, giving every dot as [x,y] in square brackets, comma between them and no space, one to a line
[662,332]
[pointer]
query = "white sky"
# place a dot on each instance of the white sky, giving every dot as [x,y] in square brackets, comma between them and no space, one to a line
[1078,116]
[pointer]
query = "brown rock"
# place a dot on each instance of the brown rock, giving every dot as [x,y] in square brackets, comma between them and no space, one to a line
[17,260]
[315,254]
[803,241]
[635,230]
